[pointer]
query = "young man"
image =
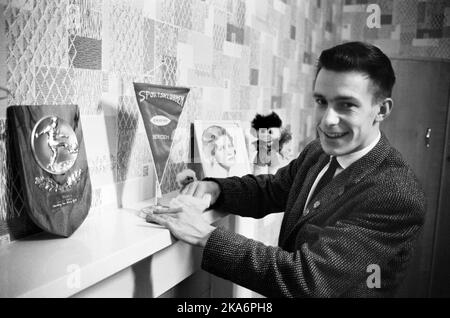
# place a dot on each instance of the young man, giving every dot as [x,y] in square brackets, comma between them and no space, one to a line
[353,207]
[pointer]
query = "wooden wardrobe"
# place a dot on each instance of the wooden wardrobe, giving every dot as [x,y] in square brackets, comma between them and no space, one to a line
[419,127]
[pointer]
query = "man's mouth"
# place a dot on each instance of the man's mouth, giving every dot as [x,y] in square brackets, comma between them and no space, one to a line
[334,135]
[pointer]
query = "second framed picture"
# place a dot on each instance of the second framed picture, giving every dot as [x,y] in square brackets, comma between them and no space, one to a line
[221,148]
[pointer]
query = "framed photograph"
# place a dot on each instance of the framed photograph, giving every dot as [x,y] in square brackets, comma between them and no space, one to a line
[221,148]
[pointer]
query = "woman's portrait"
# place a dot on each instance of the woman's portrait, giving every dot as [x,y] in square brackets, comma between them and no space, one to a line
[219,150]
[222,149]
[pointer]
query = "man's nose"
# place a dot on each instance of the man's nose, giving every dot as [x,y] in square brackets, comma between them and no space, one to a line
[330,117]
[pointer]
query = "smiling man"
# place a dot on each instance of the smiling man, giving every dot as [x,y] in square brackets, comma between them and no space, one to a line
[353,207]
[348,113]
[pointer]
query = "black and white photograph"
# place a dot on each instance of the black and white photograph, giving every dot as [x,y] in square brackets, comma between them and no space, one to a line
[234,151]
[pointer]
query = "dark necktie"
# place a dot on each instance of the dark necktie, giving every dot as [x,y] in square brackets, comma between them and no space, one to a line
[327,177]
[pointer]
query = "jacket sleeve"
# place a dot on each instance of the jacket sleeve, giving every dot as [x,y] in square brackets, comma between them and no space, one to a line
[376,232]
[257,196]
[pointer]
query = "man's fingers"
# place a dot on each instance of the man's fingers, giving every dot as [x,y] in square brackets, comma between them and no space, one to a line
[158,219]
[192,188]
[167,210]
[185,188]
[199,192]
[189,188]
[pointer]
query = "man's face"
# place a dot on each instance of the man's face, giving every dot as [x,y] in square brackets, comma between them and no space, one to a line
[345,111]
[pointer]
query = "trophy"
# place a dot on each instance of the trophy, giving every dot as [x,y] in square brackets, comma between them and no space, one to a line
[47,147]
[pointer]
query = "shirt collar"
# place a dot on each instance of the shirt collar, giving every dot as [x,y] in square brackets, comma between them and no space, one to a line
[347,160]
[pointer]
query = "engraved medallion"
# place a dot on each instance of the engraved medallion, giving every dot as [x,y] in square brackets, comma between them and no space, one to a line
[48,154]
[54,145]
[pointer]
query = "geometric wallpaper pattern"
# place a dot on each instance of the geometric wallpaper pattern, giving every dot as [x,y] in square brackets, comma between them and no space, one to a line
[239,57]
[409,28]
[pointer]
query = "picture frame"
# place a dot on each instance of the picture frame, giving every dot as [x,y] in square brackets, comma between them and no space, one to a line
[221,148]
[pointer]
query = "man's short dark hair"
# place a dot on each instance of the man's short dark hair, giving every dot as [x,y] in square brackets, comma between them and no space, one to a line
[361,57]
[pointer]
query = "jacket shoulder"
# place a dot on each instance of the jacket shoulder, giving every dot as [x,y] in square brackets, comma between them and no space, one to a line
[313,149]
[398,183]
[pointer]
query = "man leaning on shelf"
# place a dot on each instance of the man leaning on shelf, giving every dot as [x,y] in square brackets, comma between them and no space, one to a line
[351,203]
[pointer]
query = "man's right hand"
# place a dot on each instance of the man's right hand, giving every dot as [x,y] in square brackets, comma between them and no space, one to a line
[199,189]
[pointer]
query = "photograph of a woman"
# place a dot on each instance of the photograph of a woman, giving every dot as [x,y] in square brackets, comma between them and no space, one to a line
[222,148]
[219,150]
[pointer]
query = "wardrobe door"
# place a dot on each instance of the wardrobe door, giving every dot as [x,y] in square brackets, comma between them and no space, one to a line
[440,279]
[417,128]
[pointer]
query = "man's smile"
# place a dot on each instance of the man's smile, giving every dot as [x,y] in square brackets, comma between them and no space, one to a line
[333,135]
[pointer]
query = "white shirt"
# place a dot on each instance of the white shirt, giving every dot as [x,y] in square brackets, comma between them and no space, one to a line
[344,162]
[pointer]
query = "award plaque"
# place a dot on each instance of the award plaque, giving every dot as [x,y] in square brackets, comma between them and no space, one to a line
[46,143]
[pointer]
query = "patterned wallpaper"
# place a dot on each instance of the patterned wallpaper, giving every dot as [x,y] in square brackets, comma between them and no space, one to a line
[238,57]
[408,28]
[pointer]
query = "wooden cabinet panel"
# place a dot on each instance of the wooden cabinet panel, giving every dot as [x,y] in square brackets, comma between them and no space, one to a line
[421,103]
[440,279]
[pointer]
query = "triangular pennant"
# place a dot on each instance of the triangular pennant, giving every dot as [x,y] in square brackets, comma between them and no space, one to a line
[160,107]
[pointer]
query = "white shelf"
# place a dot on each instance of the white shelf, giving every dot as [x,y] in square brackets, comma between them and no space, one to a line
[106,243]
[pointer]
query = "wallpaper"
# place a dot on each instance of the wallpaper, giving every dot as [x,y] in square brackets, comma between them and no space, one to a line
[238,57]
[407,28]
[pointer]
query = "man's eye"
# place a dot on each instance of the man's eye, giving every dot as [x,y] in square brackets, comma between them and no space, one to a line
[348,105]
[320,101]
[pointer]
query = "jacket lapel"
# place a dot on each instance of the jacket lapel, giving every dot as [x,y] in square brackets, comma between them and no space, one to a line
[337,187]
[297,209]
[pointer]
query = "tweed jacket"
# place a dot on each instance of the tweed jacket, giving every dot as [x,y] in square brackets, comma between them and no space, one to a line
[368,215]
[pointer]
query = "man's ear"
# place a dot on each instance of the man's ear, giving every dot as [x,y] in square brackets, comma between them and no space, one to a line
[385,108]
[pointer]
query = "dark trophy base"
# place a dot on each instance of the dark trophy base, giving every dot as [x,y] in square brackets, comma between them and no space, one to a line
[47,149]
